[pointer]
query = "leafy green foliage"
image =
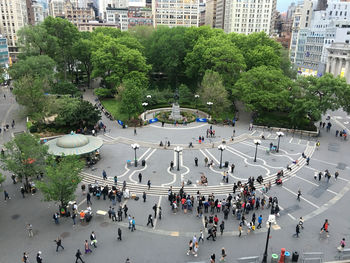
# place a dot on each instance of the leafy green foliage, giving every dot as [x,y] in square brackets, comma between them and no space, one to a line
[76,113]
[35,66]
[263,89]
[24,156]
[131,99]
[213,90]
[62,179]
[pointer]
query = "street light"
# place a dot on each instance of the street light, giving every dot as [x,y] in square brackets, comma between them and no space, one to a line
[267,244]
[135,146]
[221,148]
[279,134]
[209,103]
[197,97]
[178,149]
[257,143]
[148,96]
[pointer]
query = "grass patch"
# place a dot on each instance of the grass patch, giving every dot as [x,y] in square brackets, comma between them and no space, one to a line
[113,107]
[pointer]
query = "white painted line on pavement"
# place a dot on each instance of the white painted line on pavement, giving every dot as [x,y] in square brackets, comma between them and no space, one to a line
[145,153]
[292,217]
[302,198]
[212,156]
[310,182]
[291,139]
[299,141]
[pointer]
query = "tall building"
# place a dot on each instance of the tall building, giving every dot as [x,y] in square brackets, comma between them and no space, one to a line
[321,28]
[210,13]
[174,13]
[248,16]
[56,8]
[13,17]
[220,14]
[78,15]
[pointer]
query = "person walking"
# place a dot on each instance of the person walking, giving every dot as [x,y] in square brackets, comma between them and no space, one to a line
[133,224]
[87,247]
[341,245]
[30,230]
[206,160]
[144,196]
[93,239]
[201,236]
[232,168]
[195,249]
[324,228]
[240,229]
[55,217]
[307,160]
[222,227]
[119,234]
[155,210]
[301,222]
[190,247]
[212,233]
[259,222]
[135,132]
[196,161]
[223,255]
[78,256]
[74,216]
[58,242]
[149,184]
[6,195]
[140,177]
[319,176]
[299,194]
[39,259]
[88,199]
[125,208]
[336,175]
[297,230]
[25,257]
[22,191]
[104,175]
[150,220]
[212,258]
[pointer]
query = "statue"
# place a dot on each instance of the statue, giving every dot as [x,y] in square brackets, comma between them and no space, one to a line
[176,96]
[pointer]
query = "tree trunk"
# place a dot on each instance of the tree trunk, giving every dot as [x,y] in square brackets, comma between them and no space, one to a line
[89,79]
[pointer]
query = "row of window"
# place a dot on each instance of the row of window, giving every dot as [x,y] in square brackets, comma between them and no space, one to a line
[252,20]
[251,15]
[251,25]
[340,13]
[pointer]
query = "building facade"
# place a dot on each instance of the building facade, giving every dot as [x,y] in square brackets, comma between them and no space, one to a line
[338,60]
[174,13]
[248,16]
[210,13]
[56,8]
[13,17]
[4,52]
[77,15]
[118,16]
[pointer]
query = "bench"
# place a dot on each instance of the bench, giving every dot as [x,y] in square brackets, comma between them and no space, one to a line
[248,259]
[312,257]
[344,253]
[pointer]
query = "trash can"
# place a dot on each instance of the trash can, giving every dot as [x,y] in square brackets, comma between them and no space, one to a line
[226,164]
[128,163]
[295,256]
[274,258]
[286,256]
[143,162]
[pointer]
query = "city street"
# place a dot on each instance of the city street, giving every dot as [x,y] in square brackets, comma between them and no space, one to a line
[168,240]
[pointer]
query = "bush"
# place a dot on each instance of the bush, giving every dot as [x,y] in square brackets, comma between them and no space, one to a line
[33,129]
[104,93]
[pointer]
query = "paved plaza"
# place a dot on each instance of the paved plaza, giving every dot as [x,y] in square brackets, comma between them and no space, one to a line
[168,240]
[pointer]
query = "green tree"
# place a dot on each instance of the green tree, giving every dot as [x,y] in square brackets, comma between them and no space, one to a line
[263,89]
[66,34]
[75,113]
[35,66]
[113,61]
[2,178]
[65,88]
[24,156]
[62,179]
[213,90]
[29,92]
[167,51]
[35,41]
[131,99]
[216,54]
[262,56]
[186,96]
[82,51]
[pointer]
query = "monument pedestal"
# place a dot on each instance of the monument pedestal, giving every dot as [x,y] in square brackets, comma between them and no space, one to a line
[175,112]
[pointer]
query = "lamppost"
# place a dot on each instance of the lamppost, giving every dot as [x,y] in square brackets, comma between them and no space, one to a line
[221,148]
[144,104]
[178,149]
[257,143]
[135,146]
[209,103]
[267,244]
[279,134]
[196,97]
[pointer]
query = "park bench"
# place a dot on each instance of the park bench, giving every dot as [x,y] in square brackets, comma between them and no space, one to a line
[345,253]
[312,257]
